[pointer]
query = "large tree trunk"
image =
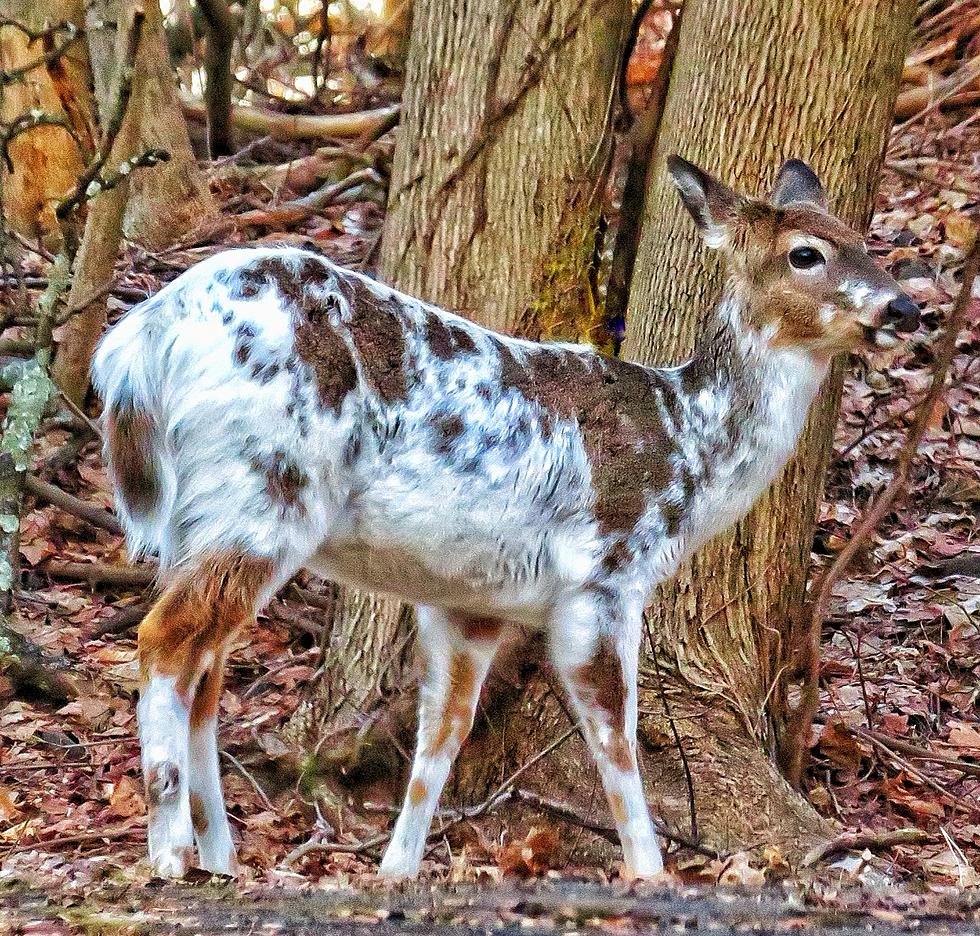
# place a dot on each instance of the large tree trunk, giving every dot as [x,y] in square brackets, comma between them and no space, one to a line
[156,206]
[46,160]
[494,211]
[767,80]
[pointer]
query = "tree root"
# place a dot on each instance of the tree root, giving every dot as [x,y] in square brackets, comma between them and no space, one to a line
[30,671]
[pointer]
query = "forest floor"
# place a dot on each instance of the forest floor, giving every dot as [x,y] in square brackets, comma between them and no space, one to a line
[897,739]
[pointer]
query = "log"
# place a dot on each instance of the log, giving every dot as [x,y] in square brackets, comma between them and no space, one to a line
[297,126]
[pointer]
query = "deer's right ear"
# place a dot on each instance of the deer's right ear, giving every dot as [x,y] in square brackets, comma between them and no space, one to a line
[711,204]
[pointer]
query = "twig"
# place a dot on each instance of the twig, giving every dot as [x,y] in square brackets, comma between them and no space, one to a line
[876,841]
[98,573]
[301,208]
[48,58]
[970,71]
[73,505]
[122,621]
[689,779]
[896,167]
[241,769]
[914,750]
[118,114]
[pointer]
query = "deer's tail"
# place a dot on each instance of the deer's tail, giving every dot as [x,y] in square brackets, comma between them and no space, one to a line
[129,373]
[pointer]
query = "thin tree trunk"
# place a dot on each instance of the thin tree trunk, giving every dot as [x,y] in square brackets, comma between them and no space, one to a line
[767,80]
[494,211]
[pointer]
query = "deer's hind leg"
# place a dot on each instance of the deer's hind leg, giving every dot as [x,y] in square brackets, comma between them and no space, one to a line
[182,644]
[594,644]
[458,649]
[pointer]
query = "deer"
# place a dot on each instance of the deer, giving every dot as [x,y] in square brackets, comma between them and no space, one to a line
[269,411]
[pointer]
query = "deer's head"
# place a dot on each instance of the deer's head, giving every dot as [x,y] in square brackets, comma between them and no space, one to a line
[806,278]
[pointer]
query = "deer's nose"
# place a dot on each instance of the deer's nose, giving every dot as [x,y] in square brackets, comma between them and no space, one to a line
[902,314]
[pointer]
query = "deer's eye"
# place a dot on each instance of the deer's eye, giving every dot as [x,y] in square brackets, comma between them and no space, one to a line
[805,258]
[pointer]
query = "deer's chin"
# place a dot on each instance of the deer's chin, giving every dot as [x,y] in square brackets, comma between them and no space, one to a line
[881,339]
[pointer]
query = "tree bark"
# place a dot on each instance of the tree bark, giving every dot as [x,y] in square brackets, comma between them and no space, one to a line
[46,160]
[494,211]
[172,199]
[768,80]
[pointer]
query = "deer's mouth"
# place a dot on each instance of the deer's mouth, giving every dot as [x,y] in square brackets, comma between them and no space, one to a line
[883,338]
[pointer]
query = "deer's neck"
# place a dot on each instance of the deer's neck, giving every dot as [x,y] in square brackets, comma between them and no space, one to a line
[745,405]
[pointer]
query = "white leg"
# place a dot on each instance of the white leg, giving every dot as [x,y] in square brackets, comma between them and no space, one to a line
[595,649]
[459,652]
[164,726]
[215,849]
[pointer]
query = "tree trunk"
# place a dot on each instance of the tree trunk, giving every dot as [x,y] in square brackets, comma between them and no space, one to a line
[172,199]
[767,80]
[494,211]
[46,160]
[175,190]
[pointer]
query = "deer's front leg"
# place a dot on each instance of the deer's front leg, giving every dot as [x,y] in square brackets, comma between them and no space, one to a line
[594,644]
[163,714]
[458,650]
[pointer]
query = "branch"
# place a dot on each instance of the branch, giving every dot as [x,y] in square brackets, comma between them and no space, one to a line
[120,106]
[28,121]
[98,573]
[73,505]
[220,29]
[49,57]
[297,126]
[876,841]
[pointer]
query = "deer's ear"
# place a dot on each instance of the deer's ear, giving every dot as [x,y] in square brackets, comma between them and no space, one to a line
[710,203]
[797,182]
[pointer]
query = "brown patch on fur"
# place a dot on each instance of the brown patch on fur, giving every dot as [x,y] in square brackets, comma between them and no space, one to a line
[617,555]
[207,697]
[197,615]
[307,285]
[157,778]
[477,628]
[129,438]
[601,682]
[285,481]
[416,792]
[457,712]
[199,816]
[617,806]
[448,429]
[379,336]
[615,405]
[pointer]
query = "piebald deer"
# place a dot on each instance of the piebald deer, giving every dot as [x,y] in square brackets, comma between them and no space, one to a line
[269,411]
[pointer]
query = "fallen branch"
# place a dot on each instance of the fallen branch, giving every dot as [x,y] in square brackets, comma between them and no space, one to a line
[73,505]
[293,212]
[916,751]
[98,573]
[875,841]
[122,621]
[297,126]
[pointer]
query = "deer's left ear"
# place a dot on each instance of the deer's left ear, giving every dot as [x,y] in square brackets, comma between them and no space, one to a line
[797,182]
[710,203]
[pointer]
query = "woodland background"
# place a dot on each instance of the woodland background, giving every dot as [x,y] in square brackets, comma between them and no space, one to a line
[798,730]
